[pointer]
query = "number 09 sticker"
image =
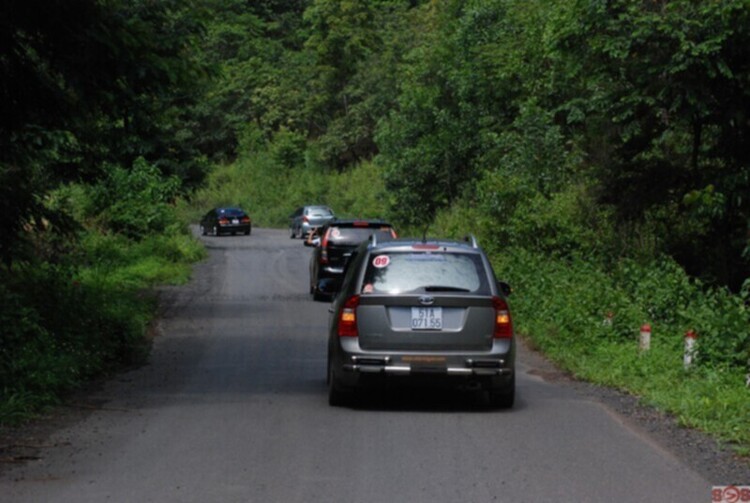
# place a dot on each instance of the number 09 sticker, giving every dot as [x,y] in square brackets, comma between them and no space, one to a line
[381,261]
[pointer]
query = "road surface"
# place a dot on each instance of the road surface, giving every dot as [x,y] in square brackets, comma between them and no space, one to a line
[233,407]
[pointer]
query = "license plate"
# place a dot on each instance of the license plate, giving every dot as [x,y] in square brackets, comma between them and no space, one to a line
[235,221]
[426,318]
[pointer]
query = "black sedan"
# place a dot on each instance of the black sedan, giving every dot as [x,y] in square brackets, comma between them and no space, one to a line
[226,221]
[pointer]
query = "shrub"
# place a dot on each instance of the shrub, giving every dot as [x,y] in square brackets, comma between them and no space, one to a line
[135,202]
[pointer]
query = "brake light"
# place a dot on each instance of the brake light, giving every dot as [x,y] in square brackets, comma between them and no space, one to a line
[360,224]
[305,219]
[393,234]
[425,246]
[245,220]
[348,318]
[324,248]
[503,323]
[223,221]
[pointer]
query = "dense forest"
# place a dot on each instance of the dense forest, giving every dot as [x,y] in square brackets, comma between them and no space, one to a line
[600,149]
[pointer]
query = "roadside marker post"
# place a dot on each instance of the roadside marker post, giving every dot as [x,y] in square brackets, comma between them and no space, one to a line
[691,338]
[644,343]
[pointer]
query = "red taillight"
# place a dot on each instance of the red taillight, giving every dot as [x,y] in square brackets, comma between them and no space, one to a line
[393,234]
[324,248]
[305,219]
[503,323]
[348,317]
[223,221]
[245,220]
[360,224]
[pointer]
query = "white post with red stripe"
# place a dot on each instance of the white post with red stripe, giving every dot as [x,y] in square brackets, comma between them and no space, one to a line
[690,350]
[644,343]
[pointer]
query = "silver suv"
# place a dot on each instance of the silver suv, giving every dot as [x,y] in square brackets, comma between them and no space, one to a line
[305,219]
[422,312]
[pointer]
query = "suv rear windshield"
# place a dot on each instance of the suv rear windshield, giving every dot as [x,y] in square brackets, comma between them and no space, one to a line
[355,235]
[400,272]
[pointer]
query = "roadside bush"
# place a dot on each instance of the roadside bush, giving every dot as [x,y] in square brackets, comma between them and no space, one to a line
[562,306]
[68,322]
[61,331]
[136,201]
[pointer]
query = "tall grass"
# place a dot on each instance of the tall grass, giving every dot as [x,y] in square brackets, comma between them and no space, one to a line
[66,323]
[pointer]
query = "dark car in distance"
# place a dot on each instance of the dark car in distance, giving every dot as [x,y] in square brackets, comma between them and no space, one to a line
[226,221]
[337,241]
[421,313]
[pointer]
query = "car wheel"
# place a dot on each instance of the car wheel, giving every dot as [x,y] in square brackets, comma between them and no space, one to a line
[317,295]
[215,231]
[291,232]
[504,399]
[336,396]
[247,232]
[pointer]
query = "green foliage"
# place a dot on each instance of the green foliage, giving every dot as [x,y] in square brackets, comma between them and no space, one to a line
[65,324]
[135,202]
[587,317]
[107,82]
[288,148]
[270,191]
[65,331]
[669,79]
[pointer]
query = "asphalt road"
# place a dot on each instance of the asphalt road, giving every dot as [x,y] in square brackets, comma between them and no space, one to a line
[233,407]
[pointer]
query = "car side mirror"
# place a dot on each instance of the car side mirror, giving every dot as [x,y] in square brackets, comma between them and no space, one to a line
[504,288]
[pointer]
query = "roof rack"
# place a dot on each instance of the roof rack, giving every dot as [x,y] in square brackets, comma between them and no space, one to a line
[471,239]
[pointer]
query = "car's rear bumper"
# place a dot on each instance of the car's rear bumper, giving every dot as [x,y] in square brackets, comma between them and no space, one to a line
[233,228]
[493,370]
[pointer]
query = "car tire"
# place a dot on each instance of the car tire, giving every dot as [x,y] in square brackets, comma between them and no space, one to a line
[504,399]
[317,295]
[337,397]
[215,231]
[248,231]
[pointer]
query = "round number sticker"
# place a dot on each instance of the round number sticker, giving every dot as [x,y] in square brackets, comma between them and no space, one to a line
[381,261]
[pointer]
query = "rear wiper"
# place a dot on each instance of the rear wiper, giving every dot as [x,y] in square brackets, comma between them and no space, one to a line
[439,288]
